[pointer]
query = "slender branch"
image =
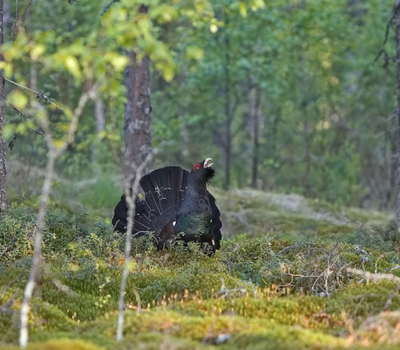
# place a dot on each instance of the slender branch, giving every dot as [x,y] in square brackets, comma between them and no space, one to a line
[130,195]
[85,97]
[25,10]
[26,118]
[375,277]
[11,142]
[37,93]
[385,40]
[52,155]
[46,189]
[105,8]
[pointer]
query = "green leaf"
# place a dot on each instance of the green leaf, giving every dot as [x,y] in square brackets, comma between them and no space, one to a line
[243,9]
[19,100]
[8,131]
[37,51]
[168,73]
[59,144]
[22,128]
[194,52]
[131,265]
[213,28]
[120,62]
[257,4]
[72,65]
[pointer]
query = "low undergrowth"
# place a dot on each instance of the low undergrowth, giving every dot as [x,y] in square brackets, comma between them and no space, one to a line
[263,291]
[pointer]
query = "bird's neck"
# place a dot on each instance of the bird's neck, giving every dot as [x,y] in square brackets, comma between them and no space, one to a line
[196,190]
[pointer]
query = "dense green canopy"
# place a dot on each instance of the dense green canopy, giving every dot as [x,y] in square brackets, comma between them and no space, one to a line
[289,90]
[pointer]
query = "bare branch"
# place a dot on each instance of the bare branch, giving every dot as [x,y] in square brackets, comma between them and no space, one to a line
[105,8]
[37,93]
[385,40]
[26,118]
[375,277]
[130,195]
[52,155]
[11,143]
[84,99]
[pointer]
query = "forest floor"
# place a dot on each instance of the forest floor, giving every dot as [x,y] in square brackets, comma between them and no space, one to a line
[280,280]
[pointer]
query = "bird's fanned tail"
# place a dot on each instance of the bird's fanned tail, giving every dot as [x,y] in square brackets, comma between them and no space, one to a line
[164,189]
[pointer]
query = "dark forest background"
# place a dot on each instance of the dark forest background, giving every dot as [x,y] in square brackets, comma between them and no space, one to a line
[285,96]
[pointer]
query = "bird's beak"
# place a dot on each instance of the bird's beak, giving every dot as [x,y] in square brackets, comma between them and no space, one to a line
[208,163]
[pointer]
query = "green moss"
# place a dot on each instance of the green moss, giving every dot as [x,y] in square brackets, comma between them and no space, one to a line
[283,285]
[304,311]
[59,344]
[359,301]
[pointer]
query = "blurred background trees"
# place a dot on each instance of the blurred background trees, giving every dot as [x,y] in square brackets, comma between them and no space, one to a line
[285,96]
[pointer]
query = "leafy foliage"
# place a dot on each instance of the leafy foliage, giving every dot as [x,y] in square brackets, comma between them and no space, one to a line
[324,104]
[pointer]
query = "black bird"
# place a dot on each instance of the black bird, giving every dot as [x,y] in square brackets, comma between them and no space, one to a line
[176,206]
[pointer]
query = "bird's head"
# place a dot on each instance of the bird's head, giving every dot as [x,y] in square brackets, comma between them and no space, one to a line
[202,173]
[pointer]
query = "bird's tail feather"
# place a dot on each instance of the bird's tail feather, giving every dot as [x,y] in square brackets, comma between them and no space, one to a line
[163,190]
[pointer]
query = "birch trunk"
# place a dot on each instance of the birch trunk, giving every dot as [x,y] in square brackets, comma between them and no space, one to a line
[397,22]
[3,169]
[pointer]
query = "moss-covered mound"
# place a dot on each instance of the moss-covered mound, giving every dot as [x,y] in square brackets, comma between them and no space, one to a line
[278,287]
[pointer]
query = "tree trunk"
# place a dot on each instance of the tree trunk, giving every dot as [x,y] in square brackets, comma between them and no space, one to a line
[307,154]
[228,116]
[256,135]
[390,196]
[100,125]
[228,138]
[137,115]
[99,114]
[3,169]
[397,21]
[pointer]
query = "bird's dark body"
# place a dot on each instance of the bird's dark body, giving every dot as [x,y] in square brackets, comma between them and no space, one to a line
[176,205]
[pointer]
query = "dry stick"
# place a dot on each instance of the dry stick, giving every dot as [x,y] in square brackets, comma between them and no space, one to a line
[129,197]
[374,276]
[52,155]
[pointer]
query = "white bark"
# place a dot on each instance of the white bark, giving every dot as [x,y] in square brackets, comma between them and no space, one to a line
[52,155]
[3,169]
[130,196]
[396,16]
[99,114]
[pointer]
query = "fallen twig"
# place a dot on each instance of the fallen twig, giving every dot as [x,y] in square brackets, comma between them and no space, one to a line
[375,277]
